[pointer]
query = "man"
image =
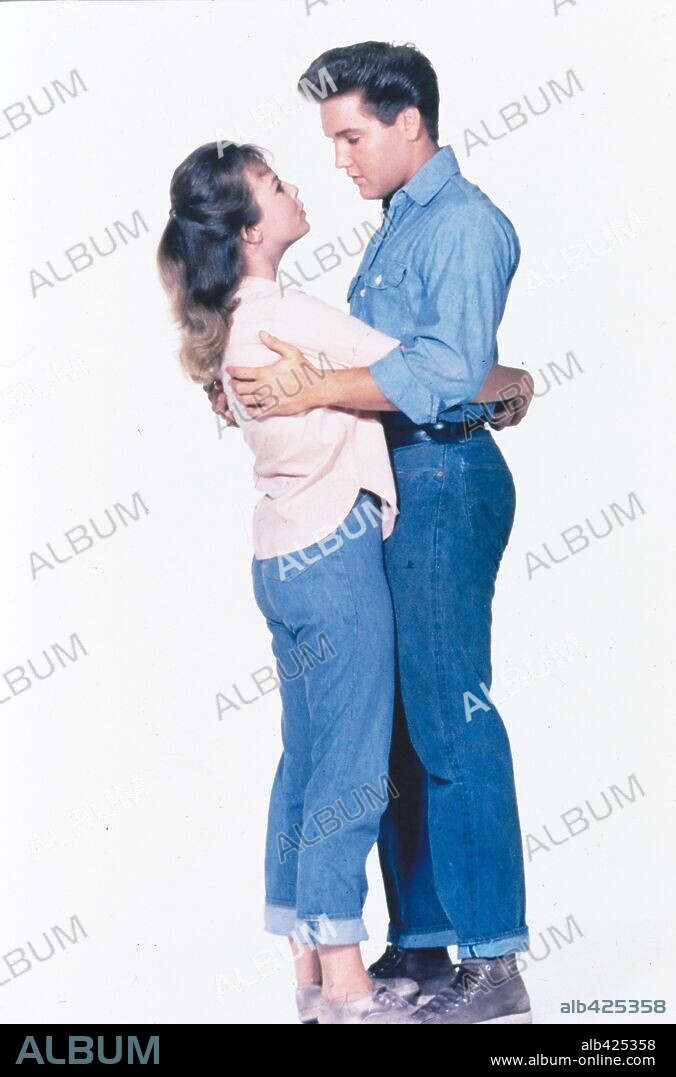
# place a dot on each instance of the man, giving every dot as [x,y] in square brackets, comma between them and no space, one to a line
[436,277]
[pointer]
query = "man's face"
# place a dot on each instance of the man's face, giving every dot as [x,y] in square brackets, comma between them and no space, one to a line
[376,157]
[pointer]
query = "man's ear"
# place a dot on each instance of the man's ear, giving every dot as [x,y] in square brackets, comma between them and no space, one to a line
[412,122]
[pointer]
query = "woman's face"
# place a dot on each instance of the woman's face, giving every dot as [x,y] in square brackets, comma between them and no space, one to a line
[283,219]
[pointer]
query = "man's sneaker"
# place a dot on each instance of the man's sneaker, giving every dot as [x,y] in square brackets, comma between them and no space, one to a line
[307,997]
[431,969]
[381,1007]
[484,991]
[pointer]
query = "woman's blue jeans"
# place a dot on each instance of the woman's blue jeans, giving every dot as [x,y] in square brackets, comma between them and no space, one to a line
[330,613]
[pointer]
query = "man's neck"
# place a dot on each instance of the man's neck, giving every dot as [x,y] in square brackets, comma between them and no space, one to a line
[421,158]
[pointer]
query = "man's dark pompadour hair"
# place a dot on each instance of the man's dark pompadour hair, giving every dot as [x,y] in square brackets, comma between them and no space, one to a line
[389,78]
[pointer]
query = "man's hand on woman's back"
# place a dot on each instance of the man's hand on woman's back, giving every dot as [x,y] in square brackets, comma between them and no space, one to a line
[219,401]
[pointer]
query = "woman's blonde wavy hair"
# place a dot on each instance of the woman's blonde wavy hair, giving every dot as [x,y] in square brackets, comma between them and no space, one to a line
[199,256]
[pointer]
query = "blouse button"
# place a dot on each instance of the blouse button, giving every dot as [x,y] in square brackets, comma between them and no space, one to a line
[363,292]
[378,279]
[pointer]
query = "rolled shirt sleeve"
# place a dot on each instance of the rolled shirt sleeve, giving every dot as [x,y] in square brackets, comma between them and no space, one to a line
[466,277]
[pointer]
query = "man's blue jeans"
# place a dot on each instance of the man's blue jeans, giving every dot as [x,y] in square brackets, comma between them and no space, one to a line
[330,613]
[450,844]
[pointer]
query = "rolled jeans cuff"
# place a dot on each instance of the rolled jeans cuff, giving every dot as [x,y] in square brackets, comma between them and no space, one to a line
[507,944]
[421,939]
[448,937]
[325,930]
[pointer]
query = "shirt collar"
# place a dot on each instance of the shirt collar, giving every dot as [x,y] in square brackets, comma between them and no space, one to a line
[431,177]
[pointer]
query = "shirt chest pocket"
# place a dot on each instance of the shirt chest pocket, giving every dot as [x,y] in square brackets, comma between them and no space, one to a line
[385,281]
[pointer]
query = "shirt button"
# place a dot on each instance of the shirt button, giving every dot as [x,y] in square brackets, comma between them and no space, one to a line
[363,292]
[378,279]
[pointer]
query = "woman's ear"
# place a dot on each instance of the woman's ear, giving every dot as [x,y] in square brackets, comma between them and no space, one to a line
[251,234]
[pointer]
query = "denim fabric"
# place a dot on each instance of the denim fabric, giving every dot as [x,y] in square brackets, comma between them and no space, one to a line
[330,614]
[436,276]
[450,846]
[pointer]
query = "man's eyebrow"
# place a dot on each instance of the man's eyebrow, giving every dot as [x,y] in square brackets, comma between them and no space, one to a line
[347,131]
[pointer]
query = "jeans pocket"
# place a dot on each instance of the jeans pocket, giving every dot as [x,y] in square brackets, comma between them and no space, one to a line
[490,501]
[418,458]
[286,567]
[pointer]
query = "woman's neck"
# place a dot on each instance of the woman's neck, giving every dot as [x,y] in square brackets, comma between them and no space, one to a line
[259,263]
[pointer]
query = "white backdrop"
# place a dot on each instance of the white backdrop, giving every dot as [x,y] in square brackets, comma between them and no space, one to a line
[127,802]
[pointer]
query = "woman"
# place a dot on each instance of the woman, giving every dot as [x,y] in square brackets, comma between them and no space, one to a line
[329,502]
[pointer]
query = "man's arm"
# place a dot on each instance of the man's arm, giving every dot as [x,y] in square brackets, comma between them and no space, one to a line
[274,388]
[509,387]
[470,261]
[449,361]
[219,401]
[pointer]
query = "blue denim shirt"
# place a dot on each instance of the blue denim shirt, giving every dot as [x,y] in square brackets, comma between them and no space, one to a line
[436,275]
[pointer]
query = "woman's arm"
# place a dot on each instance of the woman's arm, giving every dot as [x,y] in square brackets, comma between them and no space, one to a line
[512,389]
[500,383]
[346,347]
